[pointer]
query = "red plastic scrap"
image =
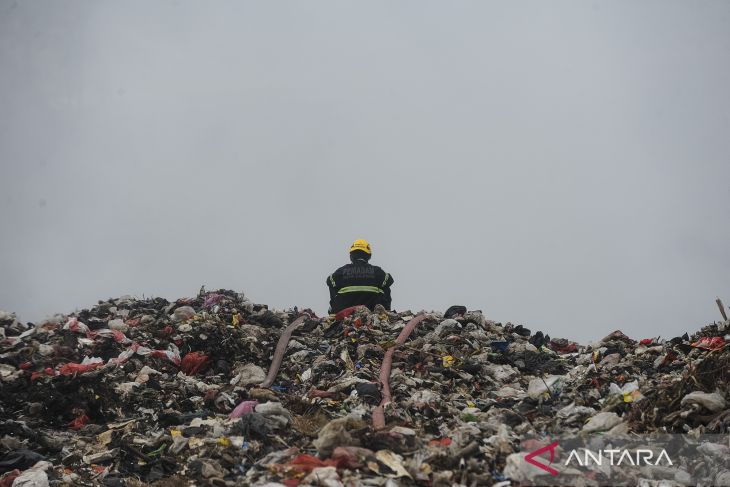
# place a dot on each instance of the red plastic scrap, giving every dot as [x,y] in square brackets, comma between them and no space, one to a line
[79,422]
[167,355]
[346,312]
[25,365]
[646,341]
[76,326]
[710,343]
[440,442]
[306,463]
[193,362]
[7,479]
[71,369]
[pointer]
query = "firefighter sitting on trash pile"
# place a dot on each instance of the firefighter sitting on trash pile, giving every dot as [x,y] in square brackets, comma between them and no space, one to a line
[359,283]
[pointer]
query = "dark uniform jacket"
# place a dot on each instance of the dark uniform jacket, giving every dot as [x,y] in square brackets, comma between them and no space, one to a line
[359,283]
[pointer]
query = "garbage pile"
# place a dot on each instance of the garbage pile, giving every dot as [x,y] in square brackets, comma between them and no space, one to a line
[217,390]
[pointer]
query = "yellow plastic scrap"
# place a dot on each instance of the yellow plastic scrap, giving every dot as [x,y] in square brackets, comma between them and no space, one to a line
[174,433]
[235,320]
[632,396]
[448,361]
[471,404]
[223,441]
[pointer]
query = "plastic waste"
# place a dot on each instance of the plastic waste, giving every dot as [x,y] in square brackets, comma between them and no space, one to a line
[602,421]
[629,392]
[244,407]
[35,476]
[352,456]
[87,365]
[324,476]
[713,402]
[248,374]
[710,343]
[391,460]
[337,433]
[545,386]
[183,313]
[19,459]
[193,362]
[463,390]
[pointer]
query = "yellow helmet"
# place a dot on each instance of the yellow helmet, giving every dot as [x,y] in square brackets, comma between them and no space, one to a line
[361,244]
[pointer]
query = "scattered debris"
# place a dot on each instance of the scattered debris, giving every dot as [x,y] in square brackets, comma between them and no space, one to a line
[217,390]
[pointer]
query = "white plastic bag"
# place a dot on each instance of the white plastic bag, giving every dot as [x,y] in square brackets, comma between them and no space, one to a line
[547,386]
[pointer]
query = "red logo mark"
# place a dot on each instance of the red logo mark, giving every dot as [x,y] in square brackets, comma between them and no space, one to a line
[530,458]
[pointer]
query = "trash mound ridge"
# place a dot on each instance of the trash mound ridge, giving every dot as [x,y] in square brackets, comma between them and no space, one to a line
[217,390]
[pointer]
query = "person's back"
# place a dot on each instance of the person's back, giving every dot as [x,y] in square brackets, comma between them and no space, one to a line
[359,283]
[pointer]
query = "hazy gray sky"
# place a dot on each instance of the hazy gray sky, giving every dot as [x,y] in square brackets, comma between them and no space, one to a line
[564,165]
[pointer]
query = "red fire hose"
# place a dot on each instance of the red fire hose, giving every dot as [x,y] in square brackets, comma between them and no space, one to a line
[280,349]
[379,412]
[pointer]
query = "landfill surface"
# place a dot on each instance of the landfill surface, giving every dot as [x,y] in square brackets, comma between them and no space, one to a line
[135,392]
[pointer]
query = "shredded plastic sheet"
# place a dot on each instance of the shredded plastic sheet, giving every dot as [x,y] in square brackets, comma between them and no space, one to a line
[710,343]
[87,365]
[75,325]
[193,362]
[172,354]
